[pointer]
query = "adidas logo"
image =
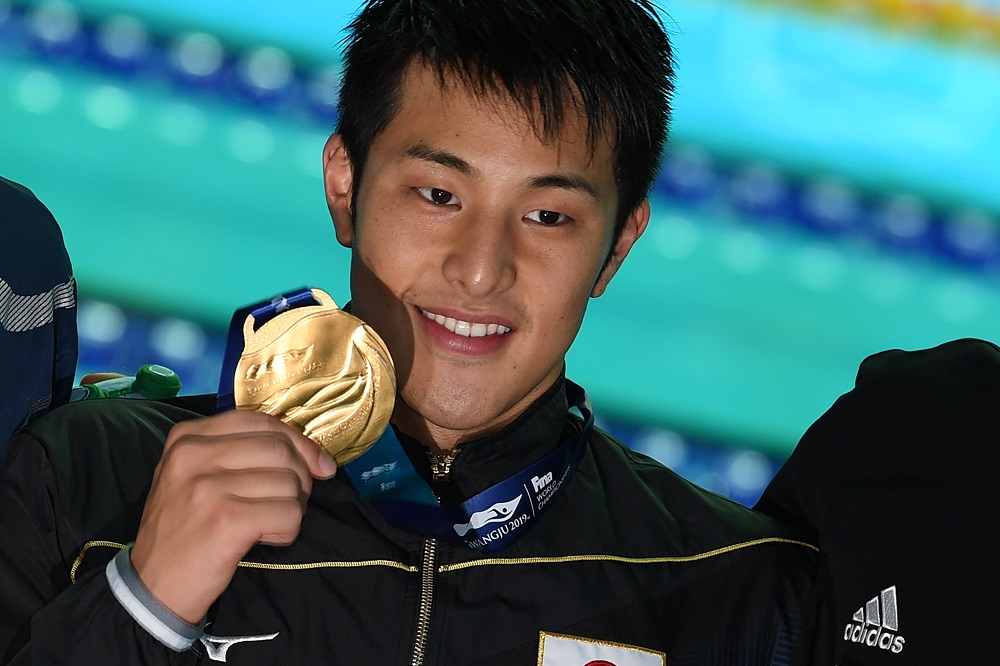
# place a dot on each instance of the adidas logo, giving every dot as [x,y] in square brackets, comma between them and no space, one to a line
[875,624]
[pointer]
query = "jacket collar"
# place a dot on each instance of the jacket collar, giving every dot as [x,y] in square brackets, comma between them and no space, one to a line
[481,463]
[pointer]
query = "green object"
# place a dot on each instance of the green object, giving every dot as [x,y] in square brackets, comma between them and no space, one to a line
[156,381]
[152,381]
[86,392]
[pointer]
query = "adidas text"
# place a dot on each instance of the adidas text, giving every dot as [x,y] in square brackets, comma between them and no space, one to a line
[875,624]
[873,637]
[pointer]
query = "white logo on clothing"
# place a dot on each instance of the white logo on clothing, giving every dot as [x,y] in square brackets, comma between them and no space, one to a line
[378,470]
[876,623]
[218,646]
[540,482]
[497,513]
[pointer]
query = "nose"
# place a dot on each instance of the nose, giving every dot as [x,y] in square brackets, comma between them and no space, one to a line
[480,258]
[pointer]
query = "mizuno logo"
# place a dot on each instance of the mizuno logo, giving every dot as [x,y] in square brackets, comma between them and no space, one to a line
[218,646]
[875,623]
[497,513]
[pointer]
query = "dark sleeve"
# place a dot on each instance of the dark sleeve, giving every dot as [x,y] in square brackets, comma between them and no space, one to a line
[897,483]
[54,498]
[37,310]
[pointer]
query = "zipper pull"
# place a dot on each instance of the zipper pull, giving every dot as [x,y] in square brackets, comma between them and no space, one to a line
[441,464]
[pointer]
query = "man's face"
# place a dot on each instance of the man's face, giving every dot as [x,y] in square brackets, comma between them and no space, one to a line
[475,250]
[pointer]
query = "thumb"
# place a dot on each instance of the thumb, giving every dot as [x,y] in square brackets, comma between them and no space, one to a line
[326,466]
[321,464]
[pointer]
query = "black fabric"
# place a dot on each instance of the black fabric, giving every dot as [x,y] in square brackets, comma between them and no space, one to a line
[483,463]
[734,590]
[897,482]
[37,361]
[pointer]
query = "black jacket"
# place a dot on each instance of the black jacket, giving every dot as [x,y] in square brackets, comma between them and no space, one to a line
[897,482]
[628,553]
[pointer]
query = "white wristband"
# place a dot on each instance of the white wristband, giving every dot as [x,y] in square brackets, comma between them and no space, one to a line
[162,623]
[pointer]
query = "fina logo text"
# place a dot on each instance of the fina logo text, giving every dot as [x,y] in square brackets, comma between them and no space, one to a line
[540,482]
[876,623]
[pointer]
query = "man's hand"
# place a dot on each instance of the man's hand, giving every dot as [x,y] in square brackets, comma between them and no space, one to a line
[222,485]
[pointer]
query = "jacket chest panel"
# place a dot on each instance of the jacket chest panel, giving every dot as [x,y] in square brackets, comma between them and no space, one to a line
[336,612]
[483,611]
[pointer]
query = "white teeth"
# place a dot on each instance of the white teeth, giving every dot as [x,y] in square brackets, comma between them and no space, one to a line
[466,328]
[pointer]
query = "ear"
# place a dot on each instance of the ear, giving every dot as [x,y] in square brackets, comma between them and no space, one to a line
[338,179]
[635,224]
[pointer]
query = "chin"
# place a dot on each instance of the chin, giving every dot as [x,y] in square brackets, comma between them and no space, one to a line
[463,413]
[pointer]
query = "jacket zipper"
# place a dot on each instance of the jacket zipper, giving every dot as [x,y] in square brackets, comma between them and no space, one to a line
[441,464]
[426,600]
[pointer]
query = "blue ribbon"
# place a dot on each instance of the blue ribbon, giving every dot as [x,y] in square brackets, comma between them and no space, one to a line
[489,521]
[384,475]
[262,313]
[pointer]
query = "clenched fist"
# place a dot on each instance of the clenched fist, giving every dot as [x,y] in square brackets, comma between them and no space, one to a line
[223,484]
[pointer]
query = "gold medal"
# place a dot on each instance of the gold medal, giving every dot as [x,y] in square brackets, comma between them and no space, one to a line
[321,370]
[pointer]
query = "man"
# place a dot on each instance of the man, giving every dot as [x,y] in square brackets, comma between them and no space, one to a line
[37,310]
[888,482]
[489,175]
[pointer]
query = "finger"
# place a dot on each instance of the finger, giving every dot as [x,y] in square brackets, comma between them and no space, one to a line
[250,484]
[195,455]
[320,464]
[233,526]
[272,521]
[229,422]
[95,377]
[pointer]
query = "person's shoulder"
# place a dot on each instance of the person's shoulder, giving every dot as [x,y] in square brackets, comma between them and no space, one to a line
[906,410]
[889,480]
[112,416]
[89,463]
[15,192]
[647,491]
[964,365]
[914,420]
[29,230]
[118,432]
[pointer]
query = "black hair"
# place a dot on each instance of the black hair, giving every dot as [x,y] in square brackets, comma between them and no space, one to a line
[612,57]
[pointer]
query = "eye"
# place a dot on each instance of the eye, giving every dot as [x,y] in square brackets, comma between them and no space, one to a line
[548,218]
[436,196]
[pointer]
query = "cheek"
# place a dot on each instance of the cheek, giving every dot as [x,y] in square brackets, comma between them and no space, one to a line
[573,275]
[567,296]
[387,254]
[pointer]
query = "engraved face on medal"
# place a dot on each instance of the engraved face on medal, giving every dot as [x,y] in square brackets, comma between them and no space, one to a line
[322,370]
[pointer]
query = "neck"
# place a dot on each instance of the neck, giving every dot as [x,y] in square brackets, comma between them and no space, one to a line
[442,439]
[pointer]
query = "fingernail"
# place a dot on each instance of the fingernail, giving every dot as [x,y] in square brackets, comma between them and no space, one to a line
[327,465]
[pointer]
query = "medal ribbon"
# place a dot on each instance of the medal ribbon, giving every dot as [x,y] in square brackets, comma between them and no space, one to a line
[489,521]
[262,312]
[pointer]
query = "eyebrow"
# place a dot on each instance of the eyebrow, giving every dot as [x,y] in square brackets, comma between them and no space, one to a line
[441,157]
[560,181]
[564,181]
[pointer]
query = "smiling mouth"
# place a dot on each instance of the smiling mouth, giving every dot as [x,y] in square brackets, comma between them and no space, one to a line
[467,329]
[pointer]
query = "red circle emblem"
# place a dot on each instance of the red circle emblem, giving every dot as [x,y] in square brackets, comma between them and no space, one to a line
[599,662]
